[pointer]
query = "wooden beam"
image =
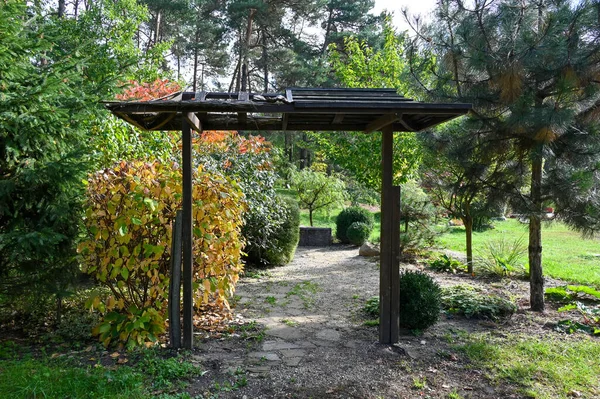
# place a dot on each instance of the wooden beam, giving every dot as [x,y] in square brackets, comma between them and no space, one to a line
[125,116]
[166,119]
[405,124]
[193,121]
[382,122]
[284,122]
[338,118]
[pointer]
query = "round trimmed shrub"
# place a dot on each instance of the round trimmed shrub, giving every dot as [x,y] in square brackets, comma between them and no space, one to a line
[358,233]
[420,300]
[287,237]
[349,216]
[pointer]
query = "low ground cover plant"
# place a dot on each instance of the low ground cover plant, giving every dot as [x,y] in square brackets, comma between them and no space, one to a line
[472,302]
[446,264]
[582,299]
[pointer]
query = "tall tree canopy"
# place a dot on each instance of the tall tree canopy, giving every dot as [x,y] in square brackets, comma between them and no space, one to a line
[531,69]
[54,70]
[361,65]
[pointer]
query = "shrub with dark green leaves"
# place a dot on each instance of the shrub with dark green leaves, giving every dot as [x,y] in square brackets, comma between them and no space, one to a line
[420,300]
[358,233]
[349,216]
[286,240]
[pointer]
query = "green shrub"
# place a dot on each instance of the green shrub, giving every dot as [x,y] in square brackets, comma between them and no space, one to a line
[448,265]
[358,233]
[349,216]
[471,302]
[286,240]
[420,300]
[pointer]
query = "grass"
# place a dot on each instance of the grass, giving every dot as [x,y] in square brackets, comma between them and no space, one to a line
[566,255]
[540,368]
[25,375]
[57,379]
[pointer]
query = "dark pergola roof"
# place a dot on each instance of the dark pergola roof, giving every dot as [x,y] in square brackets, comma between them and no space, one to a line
[299,109]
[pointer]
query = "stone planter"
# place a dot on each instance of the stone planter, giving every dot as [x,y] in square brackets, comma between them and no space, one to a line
[315,236]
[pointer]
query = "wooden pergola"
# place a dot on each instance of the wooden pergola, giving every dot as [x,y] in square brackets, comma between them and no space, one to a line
[299,109]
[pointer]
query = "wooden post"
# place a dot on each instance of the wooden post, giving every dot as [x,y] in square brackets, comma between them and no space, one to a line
[395,266]
[390,245]
[188,298]
[175,284]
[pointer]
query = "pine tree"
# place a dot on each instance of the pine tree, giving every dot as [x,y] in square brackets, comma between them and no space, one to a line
[531,70]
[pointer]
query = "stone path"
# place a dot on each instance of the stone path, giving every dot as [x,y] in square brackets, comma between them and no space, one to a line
[304,306]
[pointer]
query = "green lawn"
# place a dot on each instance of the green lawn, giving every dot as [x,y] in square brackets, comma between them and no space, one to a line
[565,255]
[540,368]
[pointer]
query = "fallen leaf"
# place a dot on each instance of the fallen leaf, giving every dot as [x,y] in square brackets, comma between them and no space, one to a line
[122,360]
[115,355]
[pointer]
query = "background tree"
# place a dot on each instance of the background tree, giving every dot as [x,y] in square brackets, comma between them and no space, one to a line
[317,191]
[530,69]
[465,176]
[361,65]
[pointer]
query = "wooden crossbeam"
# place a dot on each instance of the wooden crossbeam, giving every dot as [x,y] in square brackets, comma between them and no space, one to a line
[382,122]
[284,122]
[338,118]
[193,121]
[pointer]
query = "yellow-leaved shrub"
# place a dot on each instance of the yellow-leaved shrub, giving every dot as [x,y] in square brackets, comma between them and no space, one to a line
[130,212]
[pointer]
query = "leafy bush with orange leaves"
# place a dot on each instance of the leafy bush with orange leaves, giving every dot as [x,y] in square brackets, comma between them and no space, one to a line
[270,228]
[148,90]
[128,247]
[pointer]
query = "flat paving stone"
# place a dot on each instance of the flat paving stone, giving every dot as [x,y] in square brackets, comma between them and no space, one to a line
[292,361]
[279,345]
[292,353]
[328,335]
[284,332]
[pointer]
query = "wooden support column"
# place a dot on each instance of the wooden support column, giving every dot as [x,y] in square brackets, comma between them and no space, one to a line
[187,241]
[175,284]
[390,244]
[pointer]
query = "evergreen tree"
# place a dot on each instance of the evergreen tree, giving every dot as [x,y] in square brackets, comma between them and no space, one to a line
[531,70]
[467,175]
[54,70]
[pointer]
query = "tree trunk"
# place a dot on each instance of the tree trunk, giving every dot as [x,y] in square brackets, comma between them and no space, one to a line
[468,222]
[157,30]
[536,273]
[195,81]
[61,8]
[265,61]
[310,211]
